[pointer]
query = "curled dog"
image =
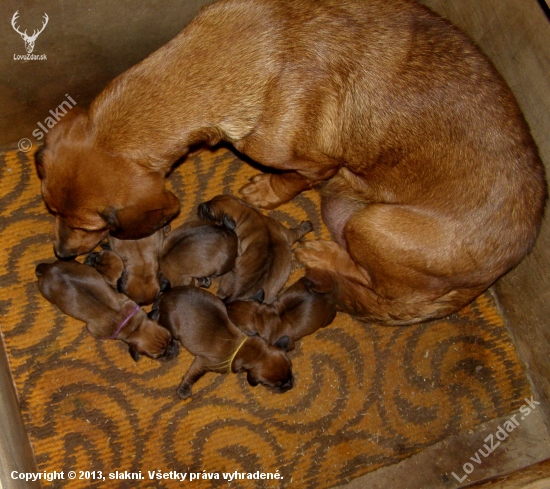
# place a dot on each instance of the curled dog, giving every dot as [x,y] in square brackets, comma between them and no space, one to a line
[132,266]
[197,251]
[299,311]
[431,183]
[198,319]
[264,259]
[81,292]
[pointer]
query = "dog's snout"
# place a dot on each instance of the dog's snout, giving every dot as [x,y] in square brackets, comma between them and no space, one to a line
[289,384]
[204,211]
[172,351]
[64,254]
[40,269]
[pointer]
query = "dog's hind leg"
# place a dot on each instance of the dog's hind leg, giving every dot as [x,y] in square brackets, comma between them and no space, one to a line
[195,372]
[403,266]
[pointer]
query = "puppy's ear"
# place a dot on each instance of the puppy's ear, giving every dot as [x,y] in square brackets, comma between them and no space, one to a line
[251,381]
[143,218]
[229,223]
[258,296]
[283,342]
[154,314]
[39,163]
[165,284]
[134,353]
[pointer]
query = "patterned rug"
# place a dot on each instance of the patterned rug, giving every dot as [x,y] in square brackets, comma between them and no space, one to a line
[365,396]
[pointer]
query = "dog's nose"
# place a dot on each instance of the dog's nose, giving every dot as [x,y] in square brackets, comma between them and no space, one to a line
[40,269]
[172,350]
[287,385]
[64,255]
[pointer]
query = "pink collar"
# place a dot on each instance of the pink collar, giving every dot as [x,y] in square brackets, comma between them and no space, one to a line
[123,323]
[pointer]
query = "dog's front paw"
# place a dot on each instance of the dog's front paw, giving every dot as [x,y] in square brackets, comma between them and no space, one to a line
[259,192]
[184,391]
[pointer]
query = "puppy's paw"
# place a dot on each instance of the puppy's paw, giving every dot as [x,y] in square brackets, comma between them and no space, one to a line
[260,193]
[184,391]
[92,259]
[321,254]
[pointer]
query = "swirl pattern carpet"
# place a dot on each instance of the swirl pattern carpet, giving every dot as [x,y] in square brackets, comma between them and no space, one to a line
[365,396]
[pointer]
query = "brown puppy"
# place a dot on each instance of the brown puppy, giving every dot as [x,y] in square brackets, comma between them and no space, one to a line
[81,292]
[264,260]
[300,310]
[197,251]
[434,187]
[132,266]
[199,320]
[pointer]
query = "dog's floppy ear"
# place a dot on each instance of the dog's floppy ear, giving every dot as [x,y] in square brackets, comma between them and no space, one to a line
[283,342]
[143,218]
[39,163]
[258,296]
[134,353]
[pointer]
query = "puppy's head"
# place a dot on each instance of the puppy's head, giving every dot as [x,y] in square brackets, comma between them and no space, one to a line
[92,192]
[152,340]
[265,364]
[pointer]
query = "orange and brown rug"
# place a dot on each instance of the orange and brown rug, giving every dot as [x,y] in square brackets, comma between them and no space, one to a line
[365,396]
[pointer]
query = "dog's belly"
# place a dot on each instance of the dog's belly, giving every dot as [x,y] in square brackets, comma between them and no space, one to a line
[336,212]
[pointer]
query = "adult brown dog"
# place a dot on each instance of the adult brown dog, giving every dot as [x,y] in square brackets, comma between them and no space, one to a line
[431,183]
[198,319]
[299,311]
[264,258]
[81,292]
[197,251]
[132,266]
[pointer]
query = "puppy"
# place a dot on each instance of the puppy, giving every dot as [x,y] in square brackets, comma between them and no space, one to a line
[81,292]
[132,266]
[431,183]
[301,310]
[264,260]
[196,252]
[198,319]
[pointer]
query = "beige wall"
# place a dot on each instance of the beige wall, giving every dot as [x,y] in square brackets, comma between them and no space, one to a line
[86,42]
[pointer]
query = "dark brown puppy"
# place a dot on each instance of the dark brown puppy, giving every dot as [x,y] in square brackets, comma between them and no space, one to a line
[264,260]
[299,311]
[132,266]
[197,251]
[198,319]
[81,292]
[434,187]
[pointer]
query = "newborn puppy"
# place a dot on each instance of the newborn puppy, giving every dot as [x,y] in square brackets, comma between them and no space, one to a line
[82,293]
[196,251]
[264,259]
[302,309]
[198,319]
[132,266]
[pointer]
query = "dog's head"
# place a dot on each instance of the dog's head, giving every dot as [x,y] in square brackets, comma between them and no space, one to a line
[92,192]
[152,340]
[265,364]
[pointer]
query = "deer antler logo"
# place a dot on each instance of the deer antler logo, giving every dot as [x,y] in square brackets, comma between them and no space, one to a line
[29,40]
